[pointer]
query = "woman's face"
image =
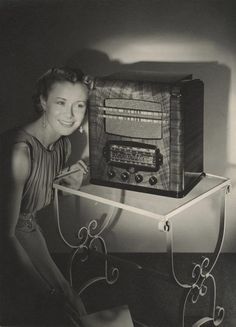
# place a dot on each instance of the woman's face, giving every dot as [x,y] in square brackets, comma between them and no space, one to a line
[65,107]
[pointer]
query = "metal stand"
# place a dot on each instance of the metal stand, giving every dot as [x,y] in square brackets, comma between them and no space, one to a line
[91,237]
[201,273]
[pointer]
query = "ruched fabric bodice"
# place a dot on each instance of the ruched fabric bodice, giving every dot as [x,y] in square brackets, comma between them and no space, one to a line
[45,166]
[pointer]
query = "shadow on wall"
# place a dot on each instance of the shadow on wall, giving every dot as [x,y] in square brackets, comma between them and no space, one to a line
[216,78]
[97,63]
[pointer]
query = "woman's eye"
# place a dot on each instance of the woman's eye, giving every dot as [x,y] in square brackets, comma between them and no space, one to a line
[81,105]
[61,103]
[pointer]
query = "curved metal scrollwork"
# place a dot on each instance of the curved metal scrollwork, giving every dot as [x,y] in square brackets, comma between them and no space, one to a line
[198,290]
[89,238]
[202,281]
[92,241]
[201,272]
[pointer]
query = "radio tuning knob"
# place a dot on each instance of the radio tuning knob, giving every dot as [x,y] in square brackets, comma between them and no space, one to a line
[138,178]
[152,180]
[111,173]
[124,176]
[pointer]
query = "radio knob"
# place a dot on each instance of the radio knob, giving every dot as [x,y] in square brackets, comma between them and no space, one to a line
[111,173]
[124,176]
[152,180]
[138,178]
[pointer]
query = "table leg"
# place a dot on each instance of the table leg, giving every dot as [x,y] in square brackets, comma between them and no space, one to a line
[201,273]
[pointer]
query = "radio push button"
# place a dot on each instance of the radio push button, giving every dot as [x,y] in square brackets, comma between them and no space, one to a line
[138,178]
[124,176]
[152,180]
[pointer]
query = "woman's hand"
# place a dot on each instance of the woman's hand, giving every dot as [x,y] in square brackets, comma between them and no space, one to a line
[74,175]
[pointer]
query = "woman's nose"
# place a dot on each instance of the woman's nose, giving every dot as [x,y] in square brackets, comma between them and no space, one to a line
[69,111]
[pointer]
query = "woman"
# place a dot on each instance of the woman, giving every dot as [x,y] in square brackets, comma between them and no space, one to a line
[31,157]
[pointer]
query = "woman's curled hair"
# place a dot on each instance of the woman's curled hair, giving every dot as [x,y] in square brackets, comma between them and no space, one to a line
[54,75]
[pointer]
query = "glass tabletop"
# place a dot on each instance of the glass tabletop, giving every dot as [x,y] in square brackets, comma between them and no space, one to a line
[151,205]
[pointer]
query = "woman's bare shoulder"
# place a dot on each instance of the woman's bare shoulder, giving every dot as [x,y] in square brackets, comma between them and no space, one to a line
[20,162]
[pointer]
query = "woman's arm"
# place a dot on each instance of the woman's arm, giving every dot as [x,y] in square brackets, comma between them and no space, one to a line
[17,174]
[16,177]
[73,175]
[44,275]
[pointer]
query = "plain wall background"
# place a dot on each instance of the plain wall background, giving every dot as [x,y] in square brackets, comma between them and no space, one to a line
[104,37]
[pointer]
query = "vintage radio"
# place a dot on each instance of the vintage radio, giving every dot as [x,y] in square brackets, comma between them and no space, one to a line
[146,134]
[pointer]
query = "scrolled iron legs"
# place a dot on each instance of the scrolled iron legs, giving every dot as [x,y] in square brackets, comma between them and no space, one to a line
[89,238]
[200,289]
[201,273]
[94,241]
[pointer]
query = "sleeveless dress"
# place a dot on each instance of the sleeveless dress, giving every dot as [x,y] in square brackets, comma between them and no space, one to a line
[45,166]
[38,193]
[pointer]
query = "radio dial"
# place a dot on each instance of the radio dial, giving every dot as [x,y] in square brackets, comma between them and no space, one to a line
[152,180]
[138,178]
[124,176]
[111,173]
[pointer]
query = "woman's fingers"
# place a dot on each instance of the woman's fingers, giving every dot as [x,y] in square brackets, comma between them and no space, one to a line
[83,165]
[80,165]
[80,168]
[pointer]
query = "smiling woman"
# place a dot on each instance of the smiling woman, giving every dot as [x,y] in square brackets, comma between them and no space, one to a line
[62,103]
[31,158]
[64,108]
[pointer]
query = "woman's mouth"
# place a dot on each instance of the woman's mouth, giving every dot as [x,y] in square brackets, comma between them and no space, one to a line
[66,123]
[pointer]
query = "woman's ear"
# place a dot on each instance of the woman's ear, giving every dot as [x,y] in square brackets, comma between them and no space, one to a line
[43,102]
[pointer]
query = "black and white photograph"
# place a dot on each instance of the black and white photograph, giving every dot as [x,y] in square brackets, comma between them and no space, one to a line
[117,163]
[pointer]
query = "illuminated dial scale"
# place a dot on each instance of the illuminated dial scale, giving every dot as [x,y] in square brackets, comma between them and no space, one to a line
[134,157]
